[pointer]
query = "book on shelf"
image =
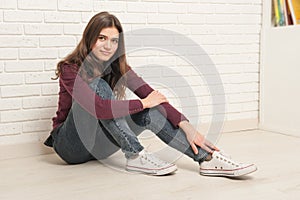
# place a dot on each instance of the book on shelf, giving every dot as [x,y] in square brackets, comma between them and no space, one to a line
[295,10]
[285,12]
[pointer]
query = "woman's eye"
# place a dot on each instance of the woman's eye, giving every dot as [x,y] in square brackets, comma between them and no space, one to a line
[115,41]
[101,38]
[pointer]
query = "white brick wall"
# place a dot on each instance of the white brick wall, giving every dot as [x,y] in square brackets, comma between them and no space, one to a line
[36,34]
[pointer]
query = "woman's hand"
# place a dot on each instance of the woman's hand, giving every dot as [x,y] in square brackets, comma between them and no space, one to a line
[196,139]
[153,99]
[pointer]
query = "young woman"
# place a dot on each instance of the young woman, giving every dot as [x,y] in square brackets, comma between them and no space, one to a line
[93,120]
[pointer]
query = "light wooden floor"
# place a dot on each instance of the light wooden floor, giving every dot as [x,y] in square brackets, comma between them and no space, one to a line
[47,177]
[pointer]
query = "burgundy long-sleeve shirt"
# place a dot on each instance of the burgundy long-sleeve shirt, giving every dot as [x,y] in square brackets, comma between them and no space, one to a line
[73,87]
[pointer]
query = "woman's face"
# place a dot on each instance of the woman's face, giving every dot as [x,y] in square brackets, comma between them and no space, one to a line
[106,44]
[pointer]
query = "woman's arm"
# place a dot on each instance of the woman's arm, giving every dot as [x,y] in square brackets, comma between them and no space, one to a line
[91,102]
[142,90]
[196,139]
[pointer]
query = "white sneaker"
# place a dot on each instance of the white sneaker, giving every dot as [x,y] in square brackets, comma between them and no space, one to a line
[148,163]
[221,165]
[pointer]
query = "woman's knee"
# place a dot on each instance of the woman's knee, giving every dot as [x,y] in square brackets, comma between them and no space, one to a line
[102,88]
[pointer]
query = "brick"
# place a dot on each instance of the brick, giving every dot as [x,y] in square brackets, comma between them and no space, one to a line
[17,41]
[186,1]
[10,128]
[250,77]
[250,87]
[243,97]
[23,16]
[238,29]
[250,106]
[86,16]
[37,5]
[149,71]
[10,103]
[20,115]
[73,29]
[34,126]
[50,65]
[157,0]
[24,66]
[251,67]
[162,19]
[242,115]
[237,49]
[232,88]
[11,29]
[203,29]
[158,41]
[8,4]
[78,5]
[218,1]
[63,52]
[1,66]
[20,91]
[169,61]
[40,53]
[201,8]
[11,79]
[137,61]
[233,19]
[132,18]
[44,77]
[43,29]
[180,29]
[191,19]
[39,102]
[233,107]
[251,19]
[113,7]
[227,39]
[202,90]
[172,8]
[229,68]
[139,7]
[238,8]
[48,113]
[50,89]
[56,41]
[8,53]
[62,17]
[235,59]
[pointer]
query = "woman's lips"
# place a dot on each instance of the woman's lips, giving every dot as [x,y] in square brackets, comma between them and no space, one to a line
[106,53]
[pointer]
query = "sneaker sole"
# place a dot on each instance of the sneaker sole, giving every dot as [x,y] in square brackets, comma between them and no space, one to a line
[154,172]
[230,173]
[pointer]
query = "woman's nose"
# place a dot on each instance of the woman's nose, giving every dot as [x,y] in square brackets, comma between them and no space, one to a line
[107,45]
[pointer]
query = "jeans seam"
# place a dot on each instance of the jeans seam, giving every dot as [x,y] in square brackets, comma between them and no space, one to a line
[199,157]
[125,137]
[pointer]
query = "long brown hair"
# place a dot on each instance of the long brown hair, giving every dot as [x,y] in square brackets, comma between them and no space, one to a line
[89,66]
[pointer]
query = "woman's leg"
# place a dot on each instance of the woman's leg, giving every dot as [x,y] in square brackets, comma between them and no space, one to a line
[67,139]
[153,120]
[82,137]
[117,128]
[137,160]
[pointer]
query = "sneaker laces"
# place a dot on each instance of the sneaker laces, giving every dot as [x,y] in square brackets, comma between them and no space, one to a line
[154,159]
[226,159]
[223,153]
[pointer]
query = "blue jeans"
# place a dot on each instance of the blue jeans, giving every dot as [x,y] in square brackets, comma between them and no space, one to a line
[82,137]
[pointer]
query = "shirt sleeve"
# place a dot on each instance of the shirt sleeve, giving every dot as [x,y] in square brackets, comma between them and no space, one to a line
[91,102]
[142,90]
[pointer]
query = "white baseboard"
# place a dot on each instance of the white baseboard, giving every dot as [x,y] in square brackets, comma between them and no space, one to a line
[26,145]
[280,130]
